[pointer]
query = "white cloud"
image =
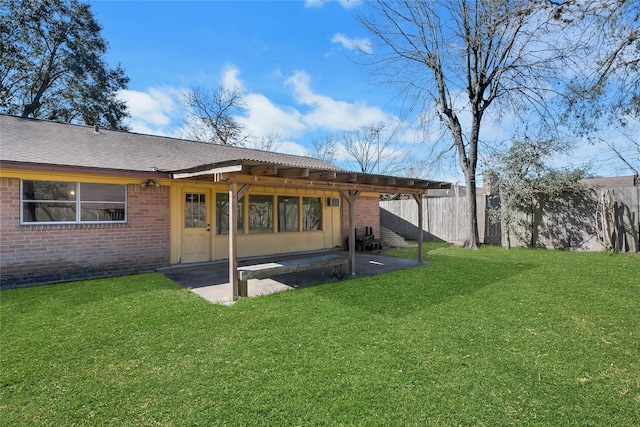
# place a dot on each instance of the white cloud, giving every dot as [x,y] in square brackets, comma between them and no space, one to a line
[152,105]
[157,111]
[331,114]
[347,4]
[153,111]
[263,117]
[314,3]
[291,147]
[311,112]
[358,44]
[230,78]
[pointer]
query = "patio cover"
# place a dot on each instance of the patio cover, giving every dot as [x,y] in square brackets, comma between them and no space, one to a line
[240,175]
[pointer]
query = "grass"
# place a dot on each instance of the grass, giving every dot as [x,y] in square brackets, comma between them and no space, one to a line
[489,337]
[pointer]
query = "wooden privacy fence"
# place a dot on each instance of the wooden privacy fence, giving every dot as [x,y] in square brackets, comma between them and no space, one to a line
[618,218]
[609,220]
[444,219]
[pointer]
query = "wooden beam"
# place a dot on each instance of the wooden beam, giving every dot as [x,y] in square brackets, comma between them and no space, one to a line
[346,177]
[242,190]
[389,180]
[322,176]
[405,182]
[438,184]
[294,173]
[351,197]
[371,179]
[233,239]
[263,170]
[210,171]
[320,185]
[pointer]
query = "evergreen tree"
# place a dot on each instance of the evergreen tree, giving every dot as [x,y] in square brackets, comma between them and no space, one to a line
[52,64]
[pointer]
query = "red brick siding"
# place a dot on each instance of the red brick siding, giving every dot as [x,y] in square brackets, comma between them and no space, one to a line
[367,215]
[35,254]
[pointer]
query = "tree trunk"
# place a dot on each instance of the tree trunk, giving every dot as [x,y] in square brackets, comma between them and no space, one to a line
[505,220]
[468,161]
[473,237]
[537,216]
[33,106]
[29,109]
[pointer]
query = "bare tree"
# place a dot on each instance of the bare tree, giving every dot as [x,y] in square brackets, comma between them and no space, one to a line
[325,148]
[628,154]
[372,149]
[361,146]
[606,83]
[211,115]
[270,142]
[457,58]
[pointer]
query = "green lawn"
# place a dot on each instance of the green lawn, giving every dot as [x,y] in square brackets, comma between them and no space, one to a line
[488,337]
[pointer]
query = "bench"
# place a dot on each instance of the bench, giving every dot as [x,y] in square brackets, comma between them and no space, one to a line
[261,271]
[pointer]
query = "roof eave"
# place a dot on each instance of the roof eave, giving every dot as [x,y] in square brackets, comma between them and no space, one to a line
[9,164]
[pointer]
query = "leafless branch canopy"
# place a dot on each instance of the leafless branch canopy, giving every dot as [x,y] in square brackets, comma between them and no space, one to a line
[606,84]
[270,142]
[211,117]
[363,146]
[629,153]
[324,148]
[466,56]
[372,149]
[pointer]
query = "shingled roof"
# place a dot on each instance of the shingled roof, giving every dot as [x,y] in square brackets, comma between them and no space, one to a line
[49,143]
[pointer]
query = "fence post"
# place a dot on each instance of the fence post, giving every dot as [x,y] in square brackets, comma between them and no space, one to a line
[418,199]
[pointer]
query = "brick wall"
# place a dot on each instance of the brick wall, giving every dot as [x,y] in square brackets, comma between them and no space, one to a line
[367,215]
[36,254]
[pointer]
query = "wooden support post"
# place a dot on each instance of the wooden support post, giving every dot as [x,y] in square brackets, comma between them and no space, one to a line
[352,237]
[351,197]
[233,240]
[418,199]
[242,191]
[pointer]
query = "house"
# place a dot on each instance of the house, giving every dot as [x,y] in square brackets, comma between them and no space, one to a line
[80,202]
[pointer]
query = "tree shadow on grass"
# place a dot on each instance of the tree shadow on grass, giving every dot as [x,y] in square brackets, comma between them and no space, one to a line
[402,292]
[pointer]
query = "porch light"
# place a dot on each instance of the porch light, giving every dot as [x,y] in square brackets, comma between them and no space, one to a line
[148,183]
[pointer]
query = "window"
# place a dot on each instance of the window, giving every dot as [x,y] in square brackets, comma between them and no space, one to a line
[295,213]
[288,213]
[260,214]
[222,214]
[311,213]
[68,202]
[195,210]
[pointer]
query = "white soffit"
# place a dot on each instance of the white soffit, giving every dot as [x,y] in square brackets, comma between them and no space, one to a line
[224,169]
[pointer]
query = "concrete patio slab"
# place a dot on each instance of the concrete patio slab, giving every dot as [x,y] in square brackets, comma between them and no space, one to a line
[211,280]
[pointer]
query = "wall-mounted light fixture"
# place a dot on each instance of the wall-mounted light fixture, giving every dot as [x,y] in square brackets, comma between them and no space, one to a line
[149,183]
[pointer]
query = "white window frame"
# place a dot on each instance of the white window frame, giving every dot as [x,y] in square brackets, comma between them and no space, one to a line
[78,204]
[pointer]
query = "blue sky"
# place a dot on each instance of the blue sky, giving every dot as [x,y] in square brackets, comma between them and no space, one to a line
[293,59]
